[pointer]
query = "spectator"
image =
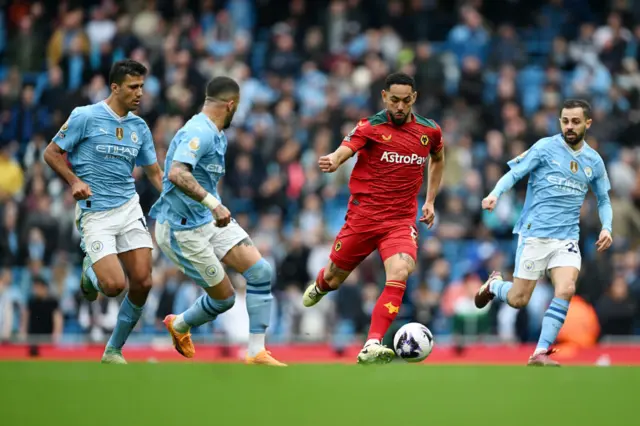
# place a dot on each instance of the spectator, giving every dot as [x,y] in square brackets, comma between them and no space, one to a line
[492,74]
[42,317]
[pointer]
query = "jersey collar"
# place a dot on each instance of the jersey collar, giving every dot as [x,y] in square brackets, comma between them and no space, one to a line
[210,123]
[568,148]
[113,113]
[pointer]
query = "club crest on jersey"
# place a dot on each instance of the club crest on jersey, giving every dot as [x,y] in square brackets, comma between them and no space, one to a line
[573,165]
[588,172]
[194,144]
[424,140]
[338,246]
[134,137]
[387,138]
[119,133]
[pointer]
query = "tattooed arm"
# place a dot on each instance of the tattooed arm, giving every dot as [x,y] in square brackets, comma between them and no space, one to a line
[180,175]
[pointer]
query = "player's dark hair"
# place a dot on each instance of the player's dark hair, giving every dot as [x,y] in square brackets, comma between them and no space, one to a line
[121,69]
[399,78]
[221,87]
[578,103]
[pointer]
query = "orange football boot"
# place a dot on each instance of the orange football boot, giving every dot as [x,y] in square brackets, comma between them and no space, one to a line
[264,358]
[181,341]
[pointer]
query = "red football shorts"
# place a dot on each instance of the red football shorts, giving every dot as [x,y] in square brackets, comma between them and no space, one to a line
[355,242]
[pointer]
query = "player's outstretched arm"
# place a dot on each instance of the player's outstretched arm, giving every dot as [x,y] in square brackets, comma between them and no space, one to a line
[522,165]
[505,183]
[54,157]
[330,163]
[180,175]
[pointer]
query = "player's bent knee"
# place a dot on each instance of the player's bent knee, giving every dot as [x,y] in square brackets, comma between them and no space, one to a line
[519,299]
[259,272]
[141,285]
[565,290]
[399,271]
[112,288]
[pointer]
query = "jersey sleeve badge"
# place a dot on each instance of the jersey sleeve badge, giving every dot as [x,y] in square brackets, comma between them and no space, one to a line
[520,157]
[194,144]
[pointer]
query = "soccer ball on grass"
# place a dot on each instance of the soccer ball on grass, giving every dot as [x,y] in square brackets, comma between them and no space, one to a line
[413,342]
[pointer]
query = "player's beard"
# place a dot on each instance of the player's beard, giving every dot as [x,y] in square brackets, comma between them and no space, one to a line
[228,120]
[397,120]
[576,137]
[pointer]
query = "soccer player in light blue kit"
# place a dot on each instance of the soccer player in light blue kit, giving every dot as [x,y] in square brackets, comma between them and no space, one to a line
[104,142]
[561,170]
[185,231]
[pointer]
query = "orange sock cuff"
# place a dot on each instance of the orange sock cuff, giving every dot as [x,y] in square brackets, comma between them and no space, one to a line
[395,283]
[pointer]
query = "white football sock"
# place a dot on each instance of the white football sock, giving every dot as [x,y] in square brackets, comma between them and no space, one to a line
[180,325]
[256,344]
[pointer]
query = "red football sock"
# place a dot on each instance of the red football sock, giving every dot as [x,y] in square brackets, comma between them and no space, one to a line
[321,283]
[386,309]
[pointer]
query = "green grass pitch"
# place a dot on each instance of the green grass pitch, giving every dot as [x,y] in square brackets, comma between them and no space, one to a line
[175,394]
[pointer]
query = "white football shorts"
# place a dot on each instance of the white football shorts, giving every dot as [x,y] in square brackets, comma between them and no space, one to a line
[535,256]
[113,231]
[197,252]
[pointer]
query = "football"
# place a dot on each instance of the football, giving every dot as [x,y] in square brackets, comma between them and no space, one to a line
[413,342]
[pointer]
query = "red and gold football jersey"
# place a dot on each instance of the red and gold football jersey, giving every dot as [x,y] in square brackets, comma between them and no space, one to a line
[389,171]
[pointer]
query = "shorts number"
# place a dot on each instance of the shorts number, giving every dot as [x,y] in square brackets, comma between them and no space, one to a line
[572,248]
[143,222]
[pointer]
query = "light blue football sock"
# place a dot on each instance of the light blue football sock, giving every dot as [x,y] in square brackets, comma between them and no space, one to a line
[259,301]
[90,275]
[206,309]
[552,322]
[128,317]
[93,278]
[500,289]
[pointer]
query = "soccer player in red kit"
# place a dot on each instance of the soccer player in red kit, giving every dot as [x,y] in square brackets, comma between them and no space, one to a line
[393,147]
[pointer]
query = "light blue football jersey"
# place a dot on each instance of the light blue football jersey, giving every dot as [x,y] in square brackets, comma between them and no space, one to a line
[200,144]
[103,149]
[559,179]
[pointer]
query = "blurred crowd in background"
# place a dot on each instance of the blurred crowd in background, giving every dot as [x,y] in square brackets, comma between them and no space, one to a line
[492,73]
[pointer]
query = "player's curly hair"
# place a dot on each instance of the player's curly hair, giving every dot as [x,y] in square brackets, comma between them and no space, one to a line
[399,78]
[578,103]
[121,69]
